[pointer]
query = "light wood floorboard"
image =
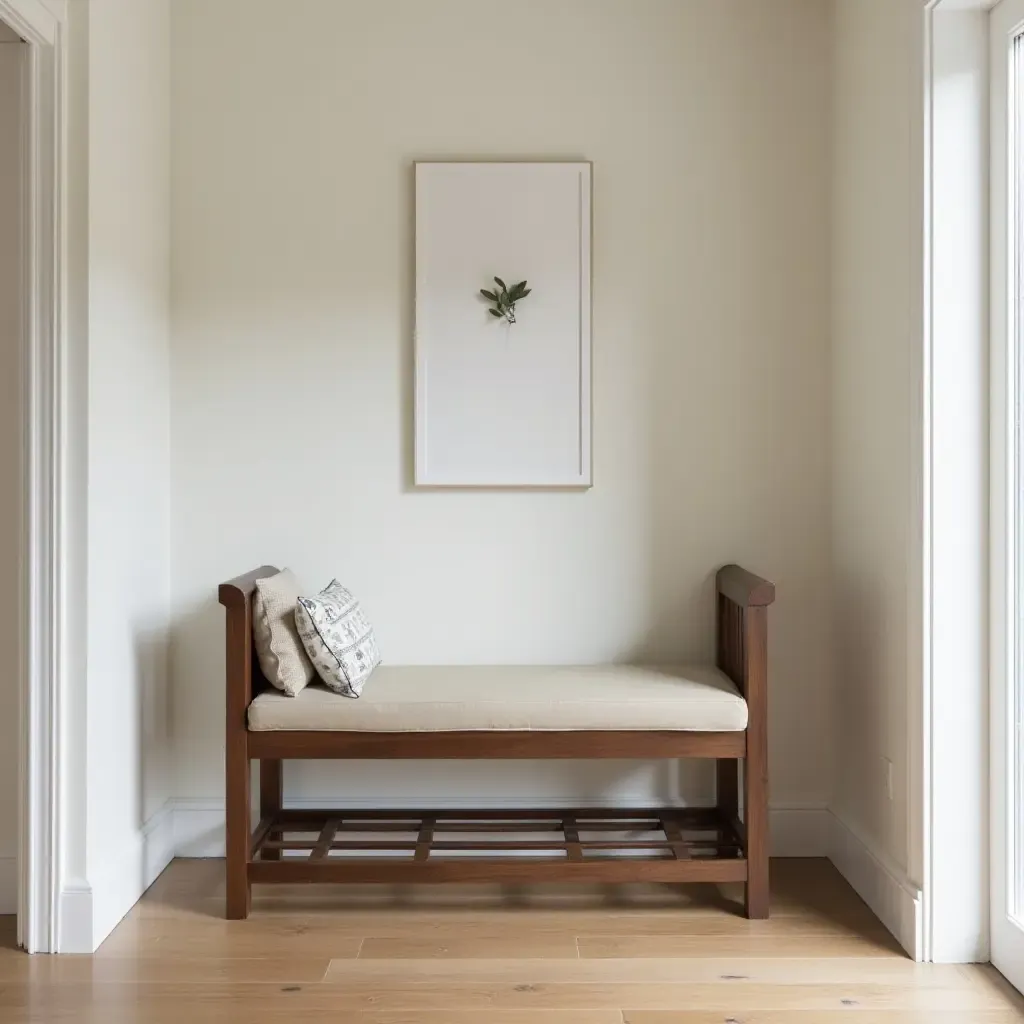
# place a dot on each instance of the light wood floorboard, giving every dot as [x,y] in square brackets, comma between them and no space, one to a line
[474,954]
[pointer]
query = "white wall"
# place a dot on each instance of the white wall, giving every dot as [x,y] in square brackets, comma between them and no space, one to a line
[877,453]
[12,54]
[128,446]
[708,125]
[75,931]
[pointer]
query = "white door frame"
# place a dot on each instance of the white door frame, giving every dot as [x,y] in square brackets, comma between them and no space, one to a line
[1007,931]
[950,763]
[43,26]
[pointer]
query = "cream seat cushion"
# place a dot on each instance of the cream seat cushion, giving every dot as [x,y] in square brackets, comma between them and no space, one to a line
[468,698]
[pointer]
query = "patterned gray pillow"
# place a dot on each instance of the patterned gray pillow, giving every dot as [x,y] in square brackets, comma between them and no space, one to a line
[338,639]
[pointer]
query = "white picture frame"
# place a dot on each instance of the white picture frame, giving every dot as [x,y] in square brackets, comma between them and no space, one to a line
[499,404]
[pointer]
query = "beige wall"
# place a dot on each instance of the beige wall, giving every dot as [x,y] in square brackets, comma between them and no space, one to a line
[708,125]
[12,55]
[877,441]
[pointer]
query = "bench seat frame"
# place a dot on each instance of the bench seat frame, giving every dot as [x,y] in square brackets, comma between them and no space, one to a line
[700,845]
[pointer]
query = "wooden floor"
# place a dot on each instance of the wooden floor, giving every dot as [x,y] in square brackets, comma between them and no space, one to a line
[482,955]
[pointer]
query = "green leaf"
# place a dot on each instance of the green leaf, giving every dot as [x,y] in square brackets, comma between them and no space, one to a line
[494,312]
[488,295]
[525,293]
[501,284]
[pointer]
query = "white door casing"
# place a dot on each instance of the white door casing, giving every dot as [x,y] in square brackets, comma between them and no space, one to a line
[1007,536]
[42,26]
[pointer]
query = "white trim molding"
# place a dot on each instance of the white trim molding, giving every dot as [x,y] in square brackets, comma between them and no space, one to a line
[949,765]
[41,577]
[1006,931]
[884,887]
[117,885]
[90,910]
[34,21]
[75,917]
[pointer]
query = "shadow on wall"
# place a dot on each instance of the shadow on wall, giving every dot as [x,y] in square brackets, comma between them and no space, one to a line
[152,677]
[862,706]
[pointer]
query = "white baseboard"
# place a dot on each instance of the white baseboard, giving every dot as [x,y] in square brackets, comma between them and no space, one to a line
[8,885]
[799,831]
[199,828]
[883,886]
[74,918]
[90,912]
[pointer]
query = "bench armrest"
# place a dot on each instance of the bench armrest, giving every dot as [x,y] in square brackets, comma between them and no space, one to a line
[743,588]
[235,593]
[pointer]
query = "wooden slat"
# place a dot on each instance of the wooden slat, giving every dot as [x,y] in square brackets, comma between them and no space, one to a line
[496,845]
[688,817]
[260,835]
[478,825]
[425,839]
[500,744]
[498,870]
[674,834]
[572,838]
[491,835]
[323,844]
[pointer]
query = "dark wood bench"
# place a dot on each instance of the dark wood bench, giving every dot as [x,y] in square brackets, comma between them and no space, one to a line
[698,844]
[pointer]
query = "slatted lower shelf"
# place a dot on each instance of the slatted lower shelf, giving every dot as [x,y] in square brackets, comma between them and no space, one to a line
[585,845]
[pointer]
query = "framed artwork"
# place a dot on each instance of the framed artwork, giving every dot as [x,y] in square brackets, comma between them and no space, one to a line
[503,356]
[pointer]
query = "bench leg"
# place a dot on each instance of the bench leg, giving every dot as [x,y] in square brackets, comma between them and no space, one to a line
[238,831]
[271,795]
[728,789]
[755,807]
[755,815]
[755,802]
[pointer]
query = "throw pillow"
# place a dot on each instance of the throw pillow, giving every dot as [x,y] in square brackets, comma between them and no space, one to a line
[338,639]
[280,652]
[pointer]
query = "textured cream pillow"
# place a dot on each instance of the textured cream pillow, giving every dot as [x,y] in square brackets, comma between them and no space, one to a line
[282,656]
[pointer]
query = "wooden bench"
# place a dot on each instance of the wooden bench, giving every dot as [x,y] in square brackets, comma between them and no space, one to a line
[607,712]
